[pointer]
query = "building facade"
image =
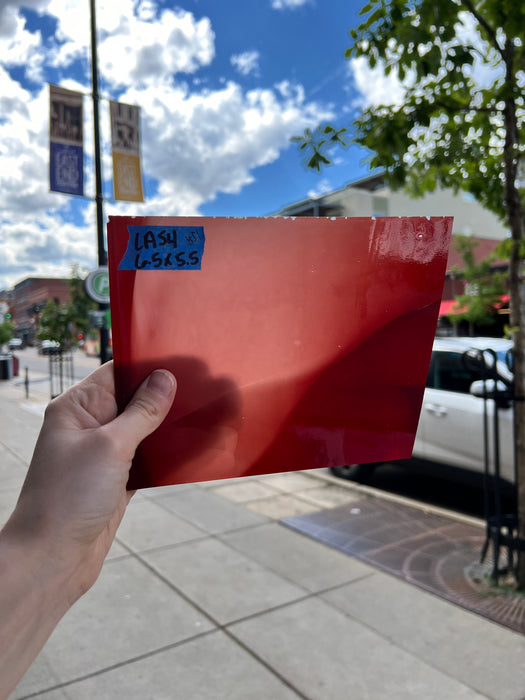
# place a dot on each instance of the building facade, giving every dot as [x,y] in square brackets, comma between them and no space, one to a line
[371,197]
[27,300]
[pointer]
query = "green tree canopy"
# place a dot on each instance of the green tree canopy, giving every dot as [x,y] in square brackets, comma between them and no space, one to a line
[63,322]
[459,125]
[6,332]
[484,286]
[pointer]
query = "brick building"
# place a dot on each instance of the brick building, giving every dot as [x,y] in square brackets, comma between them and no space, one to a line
[29,297]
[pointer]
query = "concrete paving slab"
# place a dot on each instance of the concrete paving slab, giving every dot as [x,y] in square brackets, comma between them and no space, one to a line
[12,469]
[208,511]
[40,675]
[328,496]
[147,525]
[52,695]
[458,642]
[282,506]
[224,583]
[291,482]
[18,429]
[329,656]
[8,499]
[155,491]
[243,492]
[128,613]
[212,667]
[299,559]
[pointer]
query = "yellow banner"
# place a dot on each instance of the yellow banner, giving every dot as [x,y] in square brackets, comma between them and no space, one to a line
[125,140]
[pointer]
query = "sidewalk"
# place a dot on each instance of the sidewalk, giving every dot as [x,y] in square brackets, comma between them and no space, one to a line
[206,595]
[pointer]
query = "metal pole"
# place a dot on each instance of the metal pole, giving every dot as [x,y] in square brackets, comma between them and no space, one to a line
[102,257]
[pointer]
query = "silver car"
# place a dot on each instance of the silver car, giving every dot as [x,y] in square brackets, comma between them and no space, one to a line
[450,429]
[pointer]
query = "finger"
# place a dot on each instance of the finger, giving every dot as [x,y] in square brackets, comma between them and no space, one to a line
[102,378]
[147,409]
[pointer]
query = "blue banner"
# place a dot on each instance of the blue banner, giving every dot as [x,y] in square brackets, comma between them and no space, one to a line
[66,169]
[66,137]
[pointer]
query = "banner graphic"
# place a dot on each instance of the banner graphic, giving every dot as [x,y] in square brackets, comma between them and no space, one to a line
[66,152]
[125,140]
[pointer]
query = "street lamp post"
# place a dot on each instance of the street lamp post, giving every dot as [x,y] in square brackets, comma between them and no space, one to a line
[102,257]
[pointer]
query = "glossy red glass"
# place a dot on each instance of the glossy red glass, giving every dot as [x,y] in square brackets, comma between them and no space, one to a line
[296,343]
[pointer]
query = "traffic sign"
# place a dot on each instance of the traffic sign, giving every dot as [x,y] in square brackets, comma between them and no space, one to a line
[97,285]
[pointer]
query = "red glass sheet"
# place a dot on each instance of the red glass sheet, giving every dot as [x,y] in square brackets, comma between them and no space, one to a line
[296,343]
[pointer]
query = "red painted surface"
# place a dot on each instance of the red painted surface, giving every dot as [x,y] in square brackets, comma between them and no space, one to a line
[299,344]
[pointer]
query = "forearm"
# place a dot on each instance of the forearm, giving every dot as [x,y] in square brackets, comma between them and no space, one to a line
[32,601]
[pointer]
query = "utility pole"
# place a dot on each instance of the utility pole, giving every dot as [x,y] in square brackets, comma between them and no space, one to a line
[102,256]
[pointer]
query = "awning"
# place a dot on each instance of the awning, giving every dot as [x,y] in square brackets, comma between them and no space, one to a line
[450,308]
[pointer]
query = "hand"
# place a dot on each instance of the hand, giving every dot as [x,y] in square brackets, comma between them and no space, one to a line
[53,546]
[75,494]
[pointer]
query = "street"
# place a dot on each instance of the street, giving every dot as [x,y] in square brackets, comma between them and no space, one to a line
[29,357]
[36,369]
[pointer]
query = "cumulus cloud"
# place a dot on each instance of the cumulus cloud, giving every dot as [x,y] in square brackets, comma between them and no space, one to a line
[375,87]
[324,187]
[196,141]
[288,4]
[246,63]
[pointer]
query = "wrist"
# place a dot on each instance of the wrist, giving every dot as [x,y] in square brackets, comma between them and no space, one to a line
[32,602]
[25,558]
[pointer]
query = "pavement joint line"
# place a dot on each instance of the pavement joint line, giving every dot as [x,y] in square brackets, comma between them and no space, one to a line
[223,627]
[400,643]
[17,456]
[266,665]
[120,664]
[160,548]
[206,533]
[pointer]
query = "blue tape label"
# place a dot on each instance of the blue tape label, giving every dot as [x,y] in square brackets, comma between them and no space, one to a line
[164,248]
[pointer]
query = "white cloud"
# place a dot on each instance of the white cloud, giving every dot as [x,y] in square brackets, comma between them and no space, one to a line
[9,14]
[288,4]
[323,187]
[375,87]
[196,142]
[246,63]
[142,48]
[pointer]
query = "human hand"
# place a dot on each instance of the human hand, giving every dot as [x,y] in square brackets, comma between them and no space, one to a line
[74,495]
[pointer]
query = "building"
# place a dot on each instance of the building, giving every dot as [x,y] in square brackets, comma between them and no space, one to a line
[371,197]
[28,298]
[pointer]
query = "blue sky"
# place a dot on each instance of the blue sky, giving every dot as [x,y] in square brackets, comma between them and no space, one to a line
[222,86]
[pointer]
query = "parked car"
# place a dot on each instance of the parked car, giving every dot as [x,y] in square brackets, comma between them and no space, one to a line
[49,347]
[450,430]
[15,344]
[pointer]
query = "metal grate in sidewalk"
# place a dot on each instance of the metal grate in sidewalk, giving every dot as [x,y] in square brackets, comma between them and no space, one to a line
[428,550]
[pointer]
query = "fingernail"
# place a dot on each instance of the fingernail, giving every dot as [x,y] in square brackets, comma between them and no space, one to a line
[161,382]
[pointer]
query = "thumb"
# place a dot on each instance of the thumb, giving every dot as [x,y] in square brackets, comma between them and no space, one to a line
[148,407]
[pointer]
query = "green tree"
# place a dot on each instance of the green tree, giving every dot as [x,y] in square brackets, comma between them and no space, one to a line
[6,332]
[461,125]
[64,322]
[484,286]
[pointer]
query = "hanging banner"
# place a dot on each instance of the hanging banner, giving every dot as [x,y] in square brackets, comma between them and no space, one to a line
[125,140]
[66,151]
